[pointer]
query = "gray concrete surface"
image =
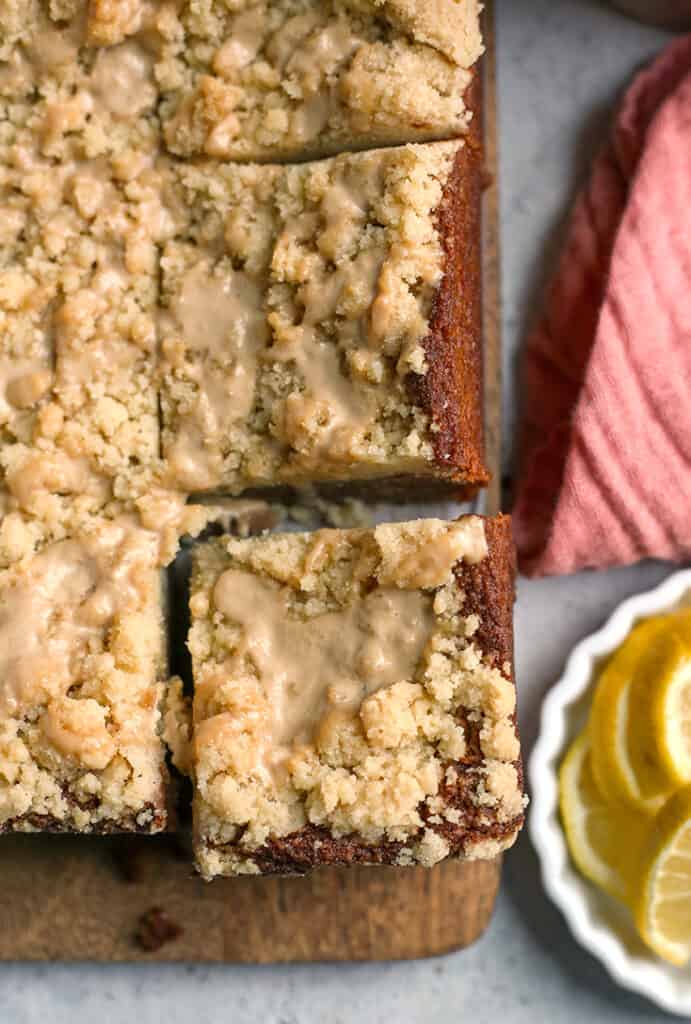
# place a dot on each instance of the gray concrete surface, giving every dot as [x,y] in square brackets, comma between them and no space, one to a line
[561,64]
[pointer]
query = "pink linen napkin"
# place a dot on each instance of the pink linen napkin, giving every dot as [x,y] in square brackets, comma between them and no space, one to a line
[606,450]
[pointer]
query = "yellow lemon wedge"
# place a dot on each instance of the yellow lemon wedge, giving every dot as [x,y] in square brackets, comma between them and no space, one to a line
[663,901]
[604,840]
[613,771]
[659,721]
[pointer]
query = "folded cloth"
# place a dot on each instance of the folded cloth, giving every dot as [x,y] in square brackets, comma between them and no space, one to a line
[606,449]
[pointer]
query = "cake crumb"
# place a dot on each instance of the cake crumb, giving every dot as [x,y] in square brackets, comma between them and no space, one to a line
[156,929]
[177,725]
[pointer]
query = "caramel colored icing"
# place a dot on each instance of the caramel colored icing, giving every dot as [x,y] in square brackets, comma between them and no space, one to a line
[334,661]
[122,80]
[221,324]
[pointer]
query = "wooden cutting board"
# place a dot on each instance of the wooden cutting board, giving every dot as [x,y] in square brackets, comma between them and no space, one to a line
[72,898]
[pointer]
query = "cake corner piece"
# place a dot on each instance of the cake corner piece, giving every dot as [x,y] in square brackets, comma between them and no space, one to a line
[354,698]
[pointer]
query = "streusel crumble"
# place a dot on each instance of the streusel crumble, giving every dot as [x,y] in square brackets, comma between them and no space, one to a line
[81,661]
[354,698]
[290,79]
[321,324]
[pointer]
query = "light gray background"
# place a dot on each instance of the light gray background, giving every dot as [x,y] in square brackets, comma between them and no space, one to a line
[561,65]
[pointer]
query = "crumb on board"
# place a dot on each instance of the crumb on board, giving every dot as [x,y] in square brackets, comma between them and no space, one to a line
[155,929]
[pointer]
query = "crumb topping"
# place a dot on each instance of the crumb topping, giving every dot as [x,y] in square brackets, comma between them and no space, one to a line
[80,659]
[297,304]
[82,224]
[333,677]
[296,78]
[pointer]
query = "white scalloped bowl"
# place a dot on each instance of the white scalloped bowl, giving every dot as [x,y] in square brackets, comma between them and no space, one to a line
[600,924]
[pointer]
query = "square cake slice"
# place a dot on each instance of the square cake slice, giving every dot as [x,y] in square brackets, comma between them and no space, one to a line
[82,658]
[354,698]
[322,323]
[296,79]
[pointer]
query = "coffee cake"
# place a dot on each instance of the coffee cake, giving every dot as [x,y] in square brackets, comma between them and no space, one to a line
[354,700]
[82,219]
[81,662]
[291,79]
[322,322]
[314,323]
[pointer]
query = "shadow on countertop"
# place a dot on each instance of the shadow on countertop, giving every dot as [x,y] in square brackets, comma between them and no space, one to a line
[522,884]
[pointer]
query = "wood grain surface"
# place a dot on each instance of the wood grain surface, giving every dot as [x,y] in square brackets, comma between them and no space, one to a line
[72,898]
[79,899]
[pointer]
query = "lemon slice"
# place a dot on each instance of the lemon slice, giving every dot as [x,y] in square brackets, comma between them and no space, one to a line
[663,903]
[612,768]
[659,721]
[604,841]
